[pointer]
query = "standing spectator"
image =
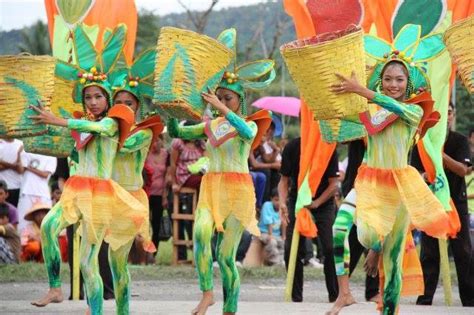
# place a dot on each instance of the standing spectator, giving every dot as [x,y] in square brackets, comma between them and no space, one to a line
[12,211]
[184,153]
[9,239]
[270,227]
[322,208]
[34,185]
[456,161]
[157,160]
[11,168]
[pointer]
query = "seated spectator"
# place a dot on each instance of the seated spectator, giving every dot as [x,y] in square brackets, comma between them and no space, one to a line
[269,225]
[12,211]
[9,239]
[266,159]
[31,234]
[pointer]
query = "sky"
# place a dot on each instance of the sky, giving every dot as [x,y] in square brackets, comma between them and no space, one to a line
[15,14]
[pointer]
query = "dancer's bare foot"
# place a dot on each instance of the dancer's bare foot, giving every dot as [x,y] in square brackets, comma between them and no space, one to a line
[54,295]
[88,311]
[371,265]
[342,301]
[206,301]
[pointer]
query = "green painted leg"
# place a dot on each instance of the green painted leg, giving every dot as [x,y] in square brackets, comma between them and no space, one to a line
[52,225]
[227,244]
[203,229]
[119,264]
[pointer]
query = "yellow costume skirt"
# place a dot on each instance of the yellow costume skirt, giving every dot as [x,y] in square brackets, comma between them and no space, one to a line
[381,193]
[229,193]
[104,207]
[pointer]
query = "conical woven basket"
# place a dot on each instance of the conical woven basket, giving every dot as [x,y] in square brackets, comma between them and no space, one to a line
[187,64]
[313,62]
[57,141]
[337,130]
[24,79]
[459,39]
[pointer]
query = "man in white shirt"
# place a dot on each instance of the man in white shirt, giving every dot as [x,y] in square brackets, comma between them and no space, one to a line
[11,168]
[34,185]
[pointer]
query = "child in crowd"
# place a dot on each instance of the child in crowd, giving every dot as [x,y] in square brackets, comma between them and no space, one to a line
[12,211]
[31,235]
[9,239]
[269,225]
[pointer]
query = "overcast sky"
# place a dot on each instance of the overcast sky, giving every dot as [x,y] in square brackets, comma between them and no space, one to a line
[16,14]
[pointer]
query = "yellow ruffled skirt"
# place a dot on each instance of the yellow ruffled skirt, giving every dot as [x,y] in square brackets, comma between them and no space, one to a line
[229,193]
[381,193]
[104,207]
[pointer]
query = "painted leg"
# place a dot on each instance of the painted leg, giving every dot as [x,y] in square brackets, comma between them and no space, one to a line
[203,229]
[119,264]
[341,229]
[227,244]
[52,225]
[393,251]
[90,271]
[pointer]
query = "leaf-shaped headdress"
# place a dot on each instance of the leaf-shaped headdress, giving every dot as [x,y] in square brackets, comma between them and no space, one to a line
[255,75]
[409,49]
[136,79]
[92,67]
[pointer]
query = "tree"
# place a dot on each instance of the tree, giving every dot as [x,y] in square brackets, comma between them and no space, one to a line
[199,19]
[148,30]
[35,39]
[464,109]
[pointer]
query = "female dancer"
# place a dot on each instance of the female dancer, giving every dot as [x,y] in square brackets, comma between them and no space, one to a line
[227,197]
[391,194]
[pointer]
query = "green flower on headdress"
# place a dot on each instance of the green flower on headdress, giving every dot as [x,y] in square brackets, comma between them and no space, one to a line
[408,48]
[92,67]
[136,79]
[255,75]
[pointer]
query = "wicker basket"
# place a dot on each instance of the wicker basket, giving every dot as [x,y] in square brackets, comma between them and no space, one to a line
[337,130]
[57,141]
[312,64]
[187,64]
[459,39]
[24,79]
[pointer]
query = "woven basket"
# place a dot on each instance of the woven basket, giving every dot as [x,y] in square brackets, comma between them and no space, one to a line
[337,130]
[459,39]
[187,64]
[24,79]
[312,64]
[57,141]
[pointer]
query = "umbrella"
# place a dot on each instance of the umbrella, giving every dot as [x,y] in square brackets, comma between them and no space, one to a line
[289,106]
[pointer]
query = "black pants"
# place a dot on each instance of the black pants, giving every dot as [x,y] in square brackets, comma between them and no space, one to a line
[13,196]
[156,213]
[324,218]
[356,249]
[461,249]
[186,207]
[104,267]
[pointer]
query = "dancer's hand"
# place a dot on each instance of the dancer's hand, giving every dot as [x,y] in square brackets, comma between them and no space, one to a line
[46,117]
[212,99]
[346,85]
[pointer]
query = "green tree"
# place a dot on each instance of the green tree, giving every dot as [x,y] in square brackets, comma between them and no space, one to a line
[35,39]
[148,30]
[464,109]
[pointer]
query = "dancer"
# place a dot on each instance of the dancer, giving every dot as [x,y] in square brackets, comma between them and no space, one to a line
[391,194]
[106,211]
[128,165]
[227,198]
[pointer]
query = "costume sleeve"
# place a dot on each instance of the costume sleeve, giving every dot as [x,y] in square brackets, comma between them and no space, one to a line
[410,114]
[106,127]
[185,132]
[245,130]
[137,141]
